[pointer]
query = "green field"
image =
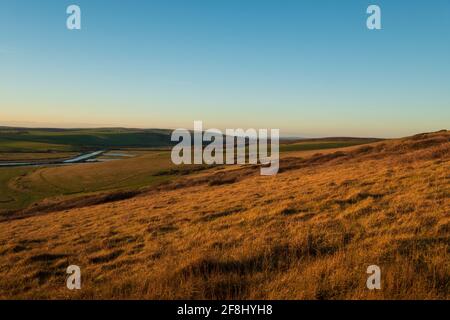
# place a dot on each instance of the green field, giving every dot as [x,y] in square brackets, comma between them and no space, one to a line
[9,197]
[22,186]
[45,140]
[10,145]
[322,144]
[34,156]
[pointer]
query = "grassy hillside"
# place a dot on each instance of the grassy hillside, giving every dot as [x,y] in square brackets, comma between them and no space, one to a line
[308,233]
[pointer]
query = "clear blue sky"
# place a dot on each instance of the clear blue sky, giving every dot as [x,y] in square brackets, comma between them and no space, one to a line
[307,67]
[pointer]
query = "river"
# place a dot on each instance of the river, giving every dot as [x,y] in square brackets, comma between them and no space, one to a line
[77,159]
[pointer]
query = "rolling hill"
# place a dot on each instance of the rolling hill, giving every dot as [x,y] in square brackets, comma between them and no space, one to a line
[44,140]
[309,232]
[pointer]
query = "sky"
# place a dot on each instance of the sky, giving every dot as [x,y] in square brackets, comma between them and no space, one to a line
[308,68]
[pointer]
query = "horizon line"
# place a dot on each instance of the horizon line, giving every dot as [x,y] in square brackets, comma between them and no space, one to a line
[52,126]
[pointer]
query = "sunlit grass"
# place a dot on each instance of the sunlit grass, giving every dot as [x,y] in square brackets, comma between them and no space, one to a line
[308,233]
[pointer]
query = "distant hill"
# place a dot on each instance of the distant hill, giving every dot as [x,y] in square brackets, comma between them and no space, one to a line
[36,139]
[13,139]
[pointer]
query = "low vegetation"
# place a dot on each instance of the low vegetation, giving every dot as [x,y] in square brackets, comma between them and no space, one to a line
[308,233]
[326,143]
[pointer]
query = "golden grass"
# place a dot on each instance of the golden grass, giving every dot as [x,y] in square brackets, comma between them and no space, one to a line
[308,233]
